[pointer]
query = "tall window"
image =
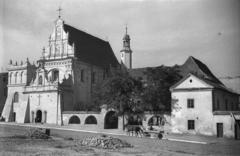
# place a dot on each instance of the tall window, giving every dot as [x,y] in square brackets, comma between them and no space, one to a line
[16,77]
[21,77]
[16,97]
[226,104]
[55,75]
[191,124]
[232,106]
[190,103]
[82,75]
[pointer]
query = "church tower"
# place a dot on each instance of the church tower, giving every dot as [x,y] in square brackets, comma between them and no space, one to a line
[126,52]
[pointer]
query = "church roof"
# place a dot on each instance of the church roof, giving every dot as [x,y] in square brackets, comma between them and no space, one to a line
[91,49]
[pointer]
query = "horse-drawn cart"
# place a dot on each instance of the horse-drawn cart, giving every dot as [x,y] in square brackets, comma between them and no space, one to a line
[153,134]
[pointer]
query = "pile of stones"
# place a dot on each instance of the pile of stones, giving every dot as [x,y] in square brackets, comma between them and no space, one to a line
[104,142]
[36,134]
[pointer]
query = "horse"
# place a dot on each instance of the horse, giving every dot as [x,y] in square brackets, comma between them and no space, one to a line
[133,128]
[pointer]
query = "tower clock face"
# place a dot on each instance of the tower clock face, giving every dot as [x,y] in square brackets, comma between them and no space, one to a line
[58,33]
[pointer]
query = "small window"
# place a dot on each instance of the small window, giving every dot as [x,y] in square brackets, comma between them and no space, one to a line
[191,125]
[226,104]
[82,75]
[190,80]
[190,103]
[16,97]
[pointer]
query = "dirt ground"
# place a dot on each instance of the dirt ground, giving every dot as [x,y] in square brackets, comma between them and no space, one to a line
[60,145]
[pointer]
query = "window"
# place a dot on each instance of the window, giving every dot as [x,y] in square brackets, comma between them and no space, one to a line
[4,79]
[217,103]
[232,106]
[82,75]
[93,77]
[236,106]
[191,125]
[40,80]
[226,104]
[190,103]
[55,75]
[16,77]
[16,97]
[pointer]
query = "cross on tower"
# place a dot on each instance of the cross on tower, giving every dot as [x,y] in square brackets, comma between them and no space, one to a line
[59,10]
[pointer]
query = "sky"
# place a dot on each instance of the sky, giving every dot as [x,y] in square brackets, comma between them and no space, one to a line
[162,32]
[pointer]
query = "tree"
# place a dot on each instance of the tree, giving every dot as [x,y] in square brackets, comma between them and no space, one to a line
[156,93]
[119,90]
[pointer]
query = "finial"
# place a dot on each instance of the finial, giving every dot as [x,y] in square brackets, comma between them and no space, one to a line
[59,10]
[126,28]
[16,63]
[10,62]
[107,38]
[43,49]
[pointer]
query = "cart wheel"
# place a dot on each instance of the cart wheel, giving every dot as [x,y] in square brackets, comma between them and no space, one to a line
[160,136]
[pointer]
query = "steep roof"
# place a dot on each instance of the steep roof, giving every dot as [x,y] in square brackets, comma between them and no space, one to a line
[91,49]
[211,83]
[192,65]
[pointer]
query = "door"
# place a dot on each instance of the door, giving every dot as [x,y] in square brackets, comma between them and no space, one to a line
[237,130]
[219,130]
[39,116]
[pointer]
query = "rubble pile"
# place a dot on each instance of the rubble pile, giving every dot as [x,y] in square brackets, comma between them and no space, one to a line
[104,141]
[36,134]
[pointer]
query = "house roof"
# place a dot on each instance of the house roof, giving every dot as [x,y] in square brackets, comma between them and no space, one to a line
[211,83]
[192,65]
[91,49]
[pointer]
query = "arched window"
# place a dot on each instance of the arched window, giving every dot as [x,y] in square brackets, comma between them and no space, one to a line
[10,78]
[16,77]
[74,120]
[40,80]
[16,97]
[91,120]
[55,75]
[21,77]
[45,117]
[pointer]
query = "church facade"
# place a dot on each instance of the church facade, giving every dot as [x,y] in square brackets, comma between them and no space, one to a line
[71,64]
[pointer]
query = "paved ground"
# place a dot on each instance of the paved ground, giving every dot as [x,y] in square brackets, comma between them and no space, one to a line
[144,146]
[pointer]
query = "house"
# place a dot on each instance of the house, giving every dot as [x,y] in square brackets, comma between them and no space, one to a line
[206,107]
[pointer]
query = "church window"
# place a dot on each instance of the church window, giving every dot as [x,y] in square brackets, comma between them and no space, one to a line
[55,75]
[16,97]
[82,75]
[40,80]
[191,124]
[190,103]
[33,116]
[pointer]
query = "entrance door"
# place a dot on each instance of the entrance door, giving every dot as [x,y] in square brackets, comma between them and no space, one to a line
[219,129]
[39,116]
[237,130]
[111,121]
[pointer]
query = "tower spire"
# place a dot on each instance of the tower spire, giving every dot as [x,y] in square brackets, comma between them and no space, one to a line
[126,28]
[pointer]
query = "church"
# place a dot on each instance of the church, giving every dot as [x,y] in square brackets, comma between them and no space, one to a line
[71,65]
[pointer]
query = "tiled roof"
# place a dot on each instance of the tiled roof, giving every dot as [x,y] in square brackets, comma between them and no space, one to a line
[226,112]
[192,65]
[91,49]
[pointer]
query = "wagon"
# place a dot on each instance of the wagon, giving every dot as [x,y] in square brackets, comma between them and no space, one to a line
[153,134]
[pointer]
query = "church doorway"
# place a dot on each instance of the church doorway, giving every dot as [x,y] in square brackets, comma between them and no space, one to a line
[39,116]
[111,120]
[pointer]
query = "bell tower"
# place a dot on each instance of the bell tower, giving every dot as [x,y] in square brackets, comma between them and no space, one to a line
[126,52]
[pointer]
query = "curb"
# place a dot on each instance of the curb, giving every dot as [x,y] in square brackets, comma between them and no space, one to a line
[87,131]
